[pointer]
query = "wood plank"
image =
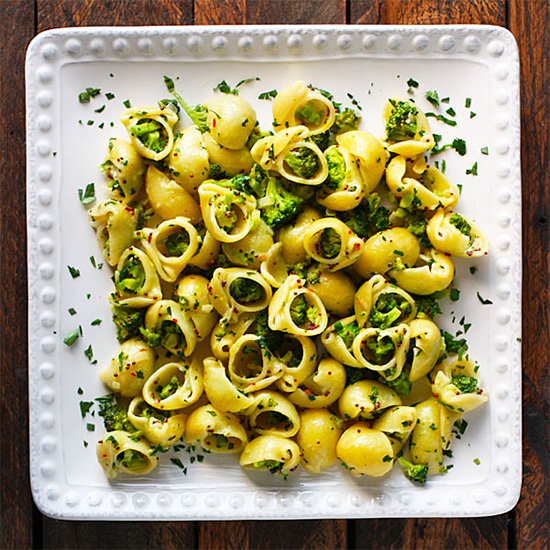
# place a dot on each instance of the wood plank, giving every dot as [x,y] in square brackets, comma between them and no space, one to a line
[422,533]
[530,24]
[16,506]
[75,13]
[292,12]
[219,12]
[59,534]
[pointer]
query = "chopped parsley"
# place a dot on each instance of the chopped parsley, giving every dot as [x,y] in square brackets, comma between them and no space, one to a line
[179,464]
[268,95]
[484,301]
[73,271]
[99,109]
[433,97]
[110,95]
[72,336]
[484,150]
[87,196]
[87,94]
[89,353]
[127,103]
[473,170]
[411,83]
[72,311]
[85,407]
[442,118]
[455,294]
[455,345]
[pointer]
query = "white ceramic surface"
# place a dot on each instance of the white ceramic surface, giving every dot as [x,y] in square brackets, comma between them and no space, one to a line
[371,63]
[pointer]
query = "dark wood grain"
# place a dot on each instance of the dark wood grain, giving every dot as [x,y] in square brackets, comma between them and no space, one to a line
[16,507]
[422,533]
[219,12]
[293,12]
[531,27]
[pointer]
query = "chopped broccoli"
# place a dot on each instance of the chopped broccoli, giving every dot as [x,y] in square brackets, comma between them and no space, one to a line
[347,332]
[415,472]
[330,243]
[402,123]
[132,459]
[258,181]
[272,339]
[274,466]
[246,291]
[465,384]
[197,114]
[427,306]
[379,350]
[132,275]
[283,206]
[400,385]
[152,338]
[461,224]
[321,140]
[151,134]
[240,182]
[354,374]
[177,243]
[216,172]
[255,136]
[127,321]
[388,309]
[114,416]
[346,121]
[336,169]
[302,313]
[303,162]
[169,389]
[308,114]
[368,218]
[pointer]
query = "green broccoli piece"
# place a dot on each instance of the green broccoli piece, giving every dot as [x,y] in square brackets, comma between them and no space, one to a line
[346,121]
[322,140]
[400,385]
[379,350]
[170,388]
[355,375]
[455,345]
[347,332]
[246,291]
[309,114]
[273,340]
[152,338]
[368,218]
[114,416]
[402,123]
[274,466]
[132,459]
[336,169]
[132,275]
[415,472]
[427,306]
[127,321]
[461,224]
[464,383]
[177,243]
[216,172]
[240,182]
[256,135]
[151,134]
[283,206]
[388,309]
[298,310]
[258,181]
[330,243]
[303,162]
[197,114]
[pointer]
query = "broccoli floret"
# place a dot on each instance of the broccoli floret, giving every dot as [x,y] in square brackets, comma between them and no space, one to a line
[354,375]
[216,172]
[246,291]
[415,472]
[346,121]
[309,114]
[402,124]
[347,332]
[132,275]
[256,135]
[336,169]
[283,205]
[427,306]
[152,338]
[127,321]
[330,243]
[379,350]
[298,310]
[388,309]
[368,218]
[240,182]
[177,243]
[400,385]
[461,224]
[197,114]
[132,459]
[322,140]
[170,388]
[114,416]
[465,384]
[258,181]
[151,134]
[303,162]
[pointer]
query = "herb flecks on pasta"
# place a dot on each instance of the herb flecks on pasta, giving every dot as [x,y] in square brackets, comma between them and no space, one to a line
[275,290]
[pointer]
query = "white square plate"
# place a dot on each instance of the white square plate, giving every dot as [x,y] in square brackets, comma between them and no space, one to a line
[371,63]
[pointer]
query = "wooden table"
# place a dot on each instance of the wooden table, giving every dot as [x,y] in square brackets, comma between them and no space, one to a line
[22,526]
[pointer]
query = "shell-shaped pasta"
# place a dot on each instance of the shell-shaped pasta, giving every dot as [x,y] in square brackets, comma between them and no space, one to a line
[194,298]
[252,366]
[332,243]
[136,280]
[230,161]
[124,168]
[319,433]
[397,423]
[298,104]
[338,340]
[188,162]
[163,428]
[431,435]
[335,288]
[129,368]
[168,199]
[170,246]
[370,154]
[227,213]
[115,222]
[215,430]
[220,390]
[169,326]
[274,268]
[298,354]
[383,350]
[381,304]
[366,399]
[344,188]
[456,385]
[252,250]
[296,309]
[235,290]
[322,388]
[451,233]
[387,249]
[273,453]
[294,158]
[407,128]
[364,451]
[434,271]
[226,333]
[174,386]
[209,248]
[230,119]
[273,414]
[150,130]
[426,345]
[119,452]
[429,190]
[292,236]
